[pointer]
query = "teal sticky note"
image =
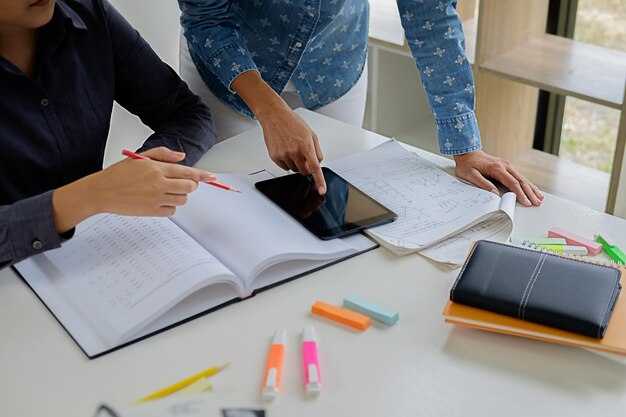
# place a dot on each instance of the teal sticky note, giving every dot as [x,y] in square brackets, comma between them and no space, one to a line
[363,306]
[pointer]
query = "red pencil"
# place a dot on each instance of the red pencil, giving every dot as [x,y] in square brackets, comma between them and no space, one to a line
[134,155]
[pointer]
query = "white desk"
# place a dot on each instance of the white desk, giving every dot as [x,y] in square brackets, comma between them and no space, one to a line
[419,367]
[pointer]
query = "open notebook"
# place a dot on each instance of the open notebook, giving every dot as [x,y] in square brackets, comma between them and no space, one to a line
[120,279]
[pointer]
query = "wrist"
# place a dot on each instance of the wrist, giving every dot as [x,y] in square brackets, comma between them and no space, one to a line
[73,203]
[258,95]
[464,156]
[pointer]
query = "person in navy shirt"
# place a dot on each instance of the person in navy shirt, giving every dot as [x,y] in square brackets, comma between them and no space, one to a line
[62,65]
[262,58]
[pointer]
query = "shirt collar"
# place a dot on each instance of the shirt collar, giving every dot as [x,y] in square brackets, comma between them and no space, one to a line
[66,13]
[54,30]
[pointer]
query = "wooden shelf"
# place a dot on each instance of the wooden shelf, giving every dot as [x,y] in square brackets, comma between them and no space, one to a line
[512,58]
[566,67]
[564,178]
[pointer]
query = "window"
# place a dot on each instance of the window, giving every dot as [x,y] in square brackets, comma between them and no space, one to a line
[574,129]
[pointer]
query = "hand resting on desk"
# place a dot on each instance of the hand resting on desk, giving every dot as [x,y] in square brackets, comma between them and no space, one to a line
[477,166]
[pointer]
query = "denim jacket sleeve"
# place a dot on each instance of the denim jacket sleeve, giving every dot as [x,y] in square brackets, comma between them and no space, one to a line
[214,35]
[434,33]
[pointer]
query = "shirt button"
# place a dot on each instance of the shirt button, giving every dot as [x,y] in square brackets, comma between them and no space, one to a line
[44,102]
[37,245]
[311,14]
[291,63]
[298,45]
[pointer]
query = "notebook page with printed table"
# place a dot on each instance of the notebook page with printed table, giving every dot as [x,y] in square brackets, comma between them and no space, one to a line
[121,278]
[438,215]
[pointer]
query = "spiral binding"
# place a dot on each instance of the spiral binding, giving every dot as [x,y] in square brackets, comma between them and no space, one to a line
[530,245]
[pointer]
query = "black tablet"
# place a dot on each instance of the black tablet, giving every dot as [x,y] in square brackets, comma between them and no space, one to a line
[343,210]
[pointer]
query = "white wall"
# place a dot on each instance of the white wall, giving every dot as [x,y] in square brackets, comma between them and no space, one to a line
[158,23]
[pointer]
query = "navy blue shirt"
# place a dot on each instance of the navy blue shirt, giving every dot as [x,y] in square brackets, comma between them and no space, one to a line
[54,127]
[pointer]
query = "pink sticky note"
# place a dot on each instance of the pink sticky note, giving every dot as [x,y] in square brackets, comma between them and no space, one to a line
[593,247]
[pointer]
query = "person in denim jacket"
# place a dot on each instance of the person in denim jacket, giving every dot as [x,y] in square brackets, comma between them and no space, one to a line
[261,58]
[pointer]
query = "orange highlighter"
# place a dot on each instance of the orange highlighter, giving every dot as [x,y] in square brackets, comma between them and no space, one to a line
[274,366]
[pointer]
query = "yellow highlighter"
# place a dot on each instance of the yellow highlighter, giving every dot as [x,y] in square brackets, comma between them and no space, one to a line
[182,384]
[572,250]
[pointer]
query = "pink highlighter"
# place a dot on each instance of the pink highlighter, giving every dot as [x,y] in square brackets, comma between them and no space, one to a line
[593,247]
[312,377]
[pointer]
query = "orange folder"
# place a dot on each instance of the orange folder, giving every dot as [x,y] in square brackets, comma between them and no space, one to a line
[614,340]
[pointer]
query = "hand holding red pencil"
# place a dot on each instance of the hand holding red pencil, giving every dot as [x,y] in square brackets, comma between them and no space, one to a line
[129,188]
[134,155]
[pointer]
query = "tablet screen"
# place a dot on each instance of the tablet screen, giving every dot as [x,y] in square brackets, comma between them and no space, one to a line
[344,209]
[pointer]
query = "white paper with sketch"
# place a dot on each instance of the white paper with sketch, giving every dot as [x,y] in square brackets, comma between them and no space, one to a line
[120,278]
[431,205]
[453,250]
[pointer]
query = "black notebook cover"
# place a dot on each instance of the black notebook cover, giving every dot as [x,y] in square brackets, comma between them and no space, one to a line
[544,288]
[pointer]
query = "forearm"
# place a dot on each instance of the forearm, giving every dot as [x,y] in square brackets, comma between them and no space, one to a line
[150,89]
[189,128]
[73,203]
[258,95]
[178,117]
[290,141]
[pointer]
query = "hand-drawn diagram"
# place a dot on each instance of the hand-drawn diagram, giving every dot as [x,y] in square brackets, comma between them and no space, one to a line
[431,205]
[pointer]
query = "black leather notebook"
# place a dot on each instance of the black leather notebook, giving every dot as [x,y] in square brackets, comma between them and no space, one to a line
[544,288]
